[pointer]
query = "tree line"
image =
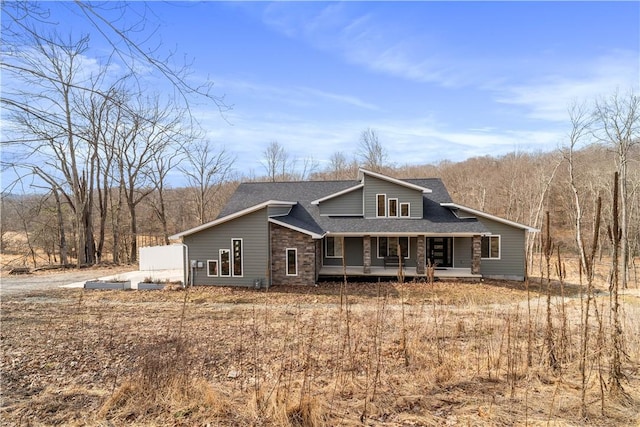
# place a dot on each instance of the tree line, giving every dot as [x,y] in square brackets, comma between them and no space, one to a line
[95,149]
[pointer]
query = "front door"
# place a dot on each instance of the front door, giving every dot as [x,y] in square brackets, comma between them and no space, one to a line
[440,251]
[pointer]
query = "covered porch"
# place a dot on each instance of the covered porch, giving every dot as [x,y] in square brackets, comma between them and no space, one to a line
[409,272]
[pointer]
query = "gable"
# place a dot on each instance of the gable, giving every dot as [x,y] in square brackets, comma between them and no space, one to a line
[345,204]
[377,189]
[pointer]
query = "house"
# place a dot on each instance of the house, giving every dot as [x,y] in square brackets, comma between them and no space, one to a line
[273,233]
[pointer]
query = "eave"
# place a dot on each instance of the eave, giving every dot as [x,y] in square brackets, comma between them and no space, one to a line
[255,208]
[489,216]
[362,172]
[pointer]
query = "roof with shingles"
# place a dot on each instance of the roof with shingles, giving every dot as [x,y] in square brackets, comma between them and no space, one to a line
[305,215]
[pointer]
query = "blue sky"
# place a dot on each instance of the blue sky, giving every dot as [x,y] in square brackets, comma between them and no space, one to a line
[436,80]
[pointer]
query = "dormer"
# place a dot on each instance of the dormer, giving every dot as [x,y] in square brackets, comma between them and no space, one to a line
[386,197]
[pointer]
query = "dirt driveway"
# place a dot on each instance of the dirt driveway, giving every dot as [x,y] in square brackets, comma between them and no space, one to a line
[19,284]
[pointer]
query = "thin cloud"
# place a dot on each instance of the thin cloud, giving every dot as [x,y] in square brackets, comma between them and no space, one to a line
[548,97]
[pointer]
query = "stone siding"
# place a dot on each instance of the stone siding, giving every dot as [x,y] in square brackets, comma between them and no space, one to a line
[420,255]
[283,238]
[366,246]
[476,253]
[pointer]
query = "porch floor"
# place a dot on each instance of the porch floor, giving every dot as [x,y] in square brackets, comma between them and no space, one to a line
[459,273]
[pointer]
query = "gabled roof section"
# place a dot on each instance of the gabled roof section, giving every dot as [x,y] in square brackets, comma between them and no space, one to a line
[481,214]
[232,216]
[339,193]
[363,172]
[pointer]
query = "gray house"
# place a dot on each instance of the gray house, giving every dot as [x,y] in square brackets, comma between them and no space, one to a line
[273,233]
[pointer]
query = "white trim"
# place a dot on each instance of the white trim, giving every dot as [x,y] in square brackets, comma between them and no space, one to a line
[489,216]
[233,264]
[378,205]
[217,268]
[358,215]
[232,216]
[499,247]
[362,172]
[286,254]
[408,210]
[220,252]
[393,199]
[298,229]
[339,193]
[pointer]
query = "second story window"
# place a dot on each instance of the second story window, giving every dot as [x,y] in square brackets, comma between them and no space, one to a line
[404,210]
[393,207]
[381,205]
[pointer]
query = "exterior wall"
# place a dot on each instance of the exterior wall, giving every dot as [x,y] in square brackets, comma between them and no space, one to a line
[512,252]
[353,250]
[373,186]
[154,258]
[252,229]
[284,238]
[346,204]
[462,251]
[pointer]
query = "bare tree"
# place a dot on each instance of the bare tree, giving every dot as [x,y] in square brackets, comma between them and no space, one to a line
[618,118]
[276,162]
[206,169]
[372,154]
[42,105]
[581,122]
[147,132]
[340,167]
[163,163]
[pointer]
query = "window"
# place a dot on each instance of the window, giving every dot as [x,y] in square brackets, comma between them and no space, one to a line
[212,267]
[292,262]
[404,210]
[225,265]
[388,246]
[490,247]
[381,207]
[236,244]
[333,247]
[393,207]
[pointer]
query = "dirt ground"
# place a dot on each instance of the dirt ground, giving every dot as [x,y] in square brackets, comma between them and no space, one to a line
[365,354]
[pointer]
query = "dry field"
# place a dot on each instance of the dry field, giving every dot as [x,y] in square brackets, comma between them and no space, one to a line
[368,354]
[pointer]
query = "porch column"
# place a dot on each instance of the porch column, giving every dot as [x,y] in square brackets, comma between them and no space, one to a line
[476,253]
[420,255]
[366,247]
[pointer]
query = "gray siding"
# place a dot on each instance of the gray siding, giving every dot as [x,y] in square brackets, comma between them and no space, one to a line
[252,229]
[511,262]
[462,252]
[346,204]
[374,186]
[353,250]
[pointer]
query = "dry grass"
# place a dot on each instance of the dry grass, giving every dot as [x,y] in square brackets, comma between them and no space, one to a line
[393,355]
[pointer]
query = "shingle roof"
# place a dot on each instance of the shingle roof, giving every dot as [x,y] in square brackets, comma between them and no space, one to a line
[436,219]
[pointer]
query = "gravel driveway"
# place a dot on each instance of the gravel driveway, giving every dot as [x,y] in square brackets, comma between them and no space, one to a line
[20,284]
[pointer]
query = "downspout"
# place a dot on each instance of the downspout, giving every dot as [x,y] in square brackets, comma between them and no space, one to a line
[185,259]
